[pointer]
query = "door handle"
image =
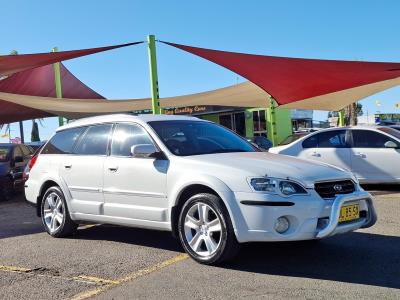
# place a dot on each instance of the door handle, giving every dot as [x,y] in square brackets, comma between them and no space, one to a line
[113,169]
[316,154]
[68,166]
[362,155]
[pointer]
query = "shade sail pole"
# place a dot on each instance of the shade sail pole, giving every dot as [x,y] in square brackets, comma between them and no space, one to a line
[57,82]
[341,118]
[272,132]
[155,101]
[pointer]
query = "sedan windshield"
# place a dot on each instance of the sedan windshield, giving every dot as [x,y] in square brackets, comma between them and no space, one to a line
[185,138]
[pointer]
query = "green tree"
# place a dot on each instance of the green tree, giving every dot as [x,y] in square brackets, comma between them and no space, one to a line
[35,131]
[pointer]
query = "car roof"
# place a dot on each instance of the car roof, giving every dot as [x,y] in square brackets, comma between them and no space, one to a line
[7,145]
[145,118]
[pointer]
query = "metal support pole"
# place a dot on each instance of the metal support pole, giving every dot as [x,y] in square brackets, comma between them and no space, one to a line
[272,121]
[21,124]
[21,131]
[341,118]
[155,102]
[57,82]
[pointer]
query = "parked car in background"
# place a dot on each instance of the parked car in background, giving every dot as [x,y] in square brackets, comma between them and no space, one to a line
[36,145]
[397,127]
[201,181]
[371,153]
[293,137]
[261,142]
[13,159]
[310,129]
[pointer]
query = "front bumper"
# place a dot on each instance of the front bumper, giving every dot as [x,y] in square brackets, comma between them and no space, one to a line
[333,226]
[311,217]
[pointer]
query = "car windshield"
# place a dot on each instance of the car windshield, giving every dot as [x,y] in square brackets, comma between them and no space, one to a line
[292,138]
[185,138]
[390,131]
[4,153]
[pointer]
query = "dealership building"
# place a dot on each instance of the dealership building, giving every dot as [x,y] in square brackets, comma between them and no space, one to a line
[247,122]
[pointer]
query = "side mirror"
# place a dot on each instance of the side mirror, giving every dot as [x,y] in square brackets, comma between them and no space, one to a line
[18,159]
[143,150]
[390,144]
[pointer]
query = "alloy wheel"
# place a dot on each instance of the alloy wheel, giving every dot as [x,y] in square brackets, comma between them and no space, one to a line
[53,212]
[203,230]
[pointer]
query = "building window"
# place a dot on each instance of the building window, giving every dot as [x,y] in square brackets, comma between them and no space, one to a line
[259,123]
[234,121]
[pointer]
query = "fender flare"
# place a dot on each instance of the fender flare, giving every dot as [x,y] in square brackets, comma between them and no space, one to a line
[220,188]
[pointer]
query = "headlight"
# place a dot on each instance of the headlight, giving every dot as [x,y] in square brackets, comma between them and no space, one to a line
[263,184]
[289,188]
[275,186]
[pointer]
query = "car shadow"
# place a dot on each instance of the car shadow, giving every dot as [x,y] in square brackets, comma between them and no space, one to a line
[17,218]
[129,235]
[358,257]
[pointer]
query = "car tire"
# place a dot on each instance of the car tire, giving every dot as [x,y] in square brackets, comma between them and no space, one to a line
[55,215]
[205,230]
[7,190]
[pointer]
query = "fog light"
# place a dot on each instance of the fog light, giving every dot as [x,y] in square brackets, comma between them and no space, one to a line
[281,225]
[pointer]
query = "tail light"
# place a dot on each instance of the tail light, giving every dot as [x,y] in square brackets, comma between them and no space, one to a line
[29,167]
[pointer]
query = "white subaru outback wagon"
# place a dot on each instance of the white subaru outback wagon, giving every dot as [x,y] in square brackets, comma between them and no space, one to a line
[207,185]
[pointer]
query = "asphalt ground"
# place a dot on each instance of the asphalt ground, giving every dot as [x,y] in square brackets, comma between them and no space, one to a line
[111,262]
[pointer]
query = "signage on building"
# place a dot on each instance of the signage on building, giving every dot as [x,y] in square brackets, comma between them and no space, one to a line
[188,110]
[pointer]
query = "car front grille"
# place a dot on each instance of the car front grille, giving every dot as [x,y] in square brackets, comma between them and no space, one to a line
[328,190]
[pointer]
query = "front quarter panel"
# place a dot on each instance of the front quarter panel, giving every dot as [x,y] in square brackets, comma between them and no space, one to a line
[177,182]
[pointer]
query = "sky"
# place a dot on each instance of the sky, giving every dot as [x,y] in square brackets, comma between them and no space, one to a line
[349,30]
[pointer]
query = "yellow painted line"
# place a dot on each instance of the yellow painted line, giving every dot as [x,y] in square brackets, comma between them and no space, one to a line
[93,279]
[14,269]
[81,278]
[130,277]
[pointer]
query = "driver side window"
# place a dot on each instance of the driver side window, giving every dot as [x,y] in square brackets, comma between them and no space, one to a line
[127,135]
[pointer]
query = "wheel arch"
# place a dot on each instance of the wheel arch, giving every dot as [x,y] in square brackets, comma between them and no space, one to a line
[49,182]
[213,186]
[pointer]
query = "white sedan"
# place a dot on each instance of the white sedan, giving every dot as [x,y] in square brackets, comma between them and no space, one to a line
[371,153]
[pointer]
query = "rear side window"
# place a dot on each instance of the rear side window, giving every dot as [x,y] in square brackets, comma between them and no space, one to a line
[370,139]
[63,142]
[127,135]
[94,141]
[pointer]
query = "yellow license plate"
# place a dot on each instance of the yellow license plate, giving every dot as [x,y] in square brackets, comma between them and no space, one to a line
[349,213]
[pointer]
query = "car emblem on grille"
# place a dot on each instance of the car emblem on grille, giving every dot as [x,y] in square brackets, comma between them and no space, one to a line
[337,188]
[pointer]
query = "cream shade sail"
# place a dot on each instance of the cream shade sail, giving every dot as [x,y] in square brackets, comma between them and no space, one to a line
[76,108]
[245,94]
[241,95]
[338,100]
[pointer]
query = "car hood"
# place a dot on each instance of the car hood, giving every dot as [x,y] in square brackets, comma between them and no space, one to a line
[273,165]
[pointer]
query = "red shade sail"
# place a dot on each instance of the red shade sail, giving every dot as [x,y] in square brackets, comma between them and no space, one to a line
[39,82]
[10,64]
[290,80]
